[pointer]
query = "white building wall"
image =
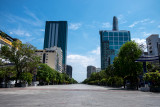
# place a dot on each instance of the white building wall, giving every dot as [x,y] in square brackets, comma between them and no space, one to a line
[152,42]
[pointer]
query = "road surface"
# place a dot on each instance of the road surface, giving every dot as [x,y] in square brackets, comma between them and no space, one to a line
[77,95]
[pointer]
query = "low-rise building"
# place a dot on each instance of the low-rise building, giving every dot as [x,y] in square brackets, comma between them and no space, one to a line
[52,57]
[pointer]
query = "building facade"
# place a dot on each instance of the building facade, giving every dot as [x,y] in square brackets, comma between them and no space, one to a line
[6,40]
[153,42]
[52,57]
[98,69]
[56,33]
[90,70]
[69,71]
[111,41]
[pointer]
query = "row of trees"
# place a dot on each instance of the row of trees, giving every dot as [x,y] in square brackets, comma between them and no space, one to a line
[25,64]
[123,70]
[52,76]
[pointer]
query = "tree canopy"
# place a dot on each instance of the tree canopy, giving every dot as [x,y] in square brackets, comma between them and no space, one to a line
[22,56]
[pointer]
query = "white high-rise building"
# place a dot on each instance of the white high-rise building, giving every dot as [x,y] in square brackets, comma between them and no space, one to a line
[153,42]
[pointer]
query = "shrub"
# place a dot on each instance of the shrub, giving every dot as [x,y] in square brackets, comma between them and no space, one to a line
[153,78]
[26,77]
[115,81]
[103,81]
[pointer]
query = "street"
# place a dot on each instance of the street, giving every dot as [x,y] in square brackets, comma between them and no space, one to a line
[76,95]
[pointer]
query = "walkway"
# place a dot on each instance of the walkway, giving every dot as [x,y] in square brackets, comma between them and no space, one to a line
[78,95]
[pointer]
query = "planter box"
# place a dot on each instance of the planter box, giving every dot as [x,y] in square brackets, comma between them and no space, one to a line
[21,85]
[35,83]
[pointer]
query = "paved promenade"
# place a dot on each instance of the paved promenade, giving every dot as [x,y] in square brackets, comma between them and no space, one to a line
[77,95]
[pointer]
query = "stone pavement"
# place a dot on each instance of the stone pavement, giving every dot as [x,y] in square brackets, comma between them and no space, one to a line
[77,95]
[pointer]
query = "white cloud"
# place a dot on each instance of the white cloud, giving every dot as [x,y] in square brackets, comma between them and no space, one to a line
[11,33]
[137,22]
[152,21]
[96,51]
[27,34]
[106,25]
[141,28]
[140,42]
[85,35]
[79,63]
[83,61]
[42,30]
[128,12]
[74,26]
[28,40]
[122,19]
[132,25]
[146,34]
[31,20]
[20,32]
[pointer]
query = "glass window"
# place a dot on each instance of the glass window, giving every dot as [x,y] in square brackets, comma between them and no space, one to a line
[111,47]
[115,38]
[124,42]
[111,38]
[110,33]
[105,33]
[121,43]
[120,33]
[115,33]
[116,47]
[110,42]
[115,43]
[105,38]
[125,33]
[120,38]
[116,51]
[125,38]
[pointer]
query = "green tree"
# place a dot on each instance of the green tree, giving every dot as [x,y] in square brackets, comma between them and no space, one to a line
[22,55]
[26,77]
[7,74]
[153,78]
[125,65]
[46,74]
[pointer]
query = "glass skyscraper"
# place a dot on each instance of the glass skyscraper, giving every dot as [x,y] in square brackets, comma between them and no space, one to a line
[56,33]
[111,41]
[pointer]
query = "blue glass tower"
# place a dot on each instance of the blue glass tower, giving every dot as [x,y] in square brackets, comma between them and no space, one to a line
[56,33]
[111,41]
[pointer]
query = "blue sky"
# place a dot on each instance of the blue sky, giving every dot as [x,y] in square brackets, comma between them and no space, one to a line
[25,20]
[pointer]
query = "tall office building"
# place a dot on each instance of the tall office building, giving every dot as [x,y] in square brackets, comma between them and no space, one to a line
[111,41]
[56,33]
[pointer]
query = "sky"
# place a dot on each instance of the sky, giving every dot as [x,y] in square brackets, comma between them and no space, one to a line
[25,20]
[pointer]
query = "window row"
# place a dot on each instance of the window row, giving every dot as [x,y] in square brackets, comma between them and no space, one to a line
[116,34]
[116,38]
